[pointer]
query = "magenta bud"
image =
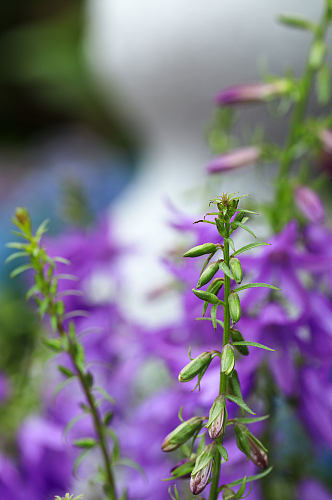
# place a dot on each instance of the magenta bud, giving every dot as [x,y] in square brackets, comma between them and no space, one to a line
[309,203]
[252,93]
[202,471]
[234,159]
[258,454]
[326,138]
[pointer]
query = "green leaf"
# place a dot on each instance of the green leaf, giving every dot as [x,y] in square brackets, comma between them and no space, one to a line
[231,243]
[250,478]
[297,22]
[116,444]
[243,226]
[247,420]
[62,260]
[72,422]
[32,291]
[317,54]
[128,462]
[323,85]
[240,403]
[218,321]
[255,285]
[65,371]
[42,229]
[53,344]
[249,247]
[214,316]
[14,256]
[224,267]
[254,344]
[222,450]
[19,246]
[176,494]
[104,393]
[86,443]
[20,270]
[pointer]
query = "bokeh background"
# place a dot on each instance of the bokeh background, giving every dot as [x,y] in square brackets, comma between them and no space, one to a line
[106,113]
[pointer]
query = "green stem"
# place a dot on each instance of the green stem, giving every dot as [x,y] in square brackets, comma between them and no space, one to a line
[284,194]
[99,429]
[223,378]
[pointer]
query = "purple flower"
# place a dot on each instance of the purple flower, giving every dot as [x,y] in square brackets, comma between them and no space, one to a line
[326,138]
[252,93]
[309,204]
[234,159]
[312,489]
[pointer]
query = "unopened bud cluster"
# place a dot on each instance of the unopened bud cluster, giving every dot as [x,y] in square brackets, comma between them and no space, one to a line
[221,276]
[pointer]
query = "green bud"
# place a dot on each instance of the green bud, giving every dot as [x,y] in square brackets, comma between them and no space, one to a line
[237,336]
[182,433]
[208,274]
[202,471]
[227,359]
[22,219]
[195,366]
[216,418]
[220,226]
[214,287]
[234,307]
[207,296]
[242,439]
[199,250]
[228,494]
[235,266]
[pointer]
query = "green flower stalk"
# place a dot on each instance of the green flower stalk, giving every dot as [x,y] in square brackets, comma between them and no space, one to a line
[45,293]
[205,460]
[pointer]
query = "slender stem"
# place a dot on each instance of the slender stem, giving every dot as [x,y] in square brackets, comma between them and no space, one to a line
[223,378]
[283,194]
[99,429]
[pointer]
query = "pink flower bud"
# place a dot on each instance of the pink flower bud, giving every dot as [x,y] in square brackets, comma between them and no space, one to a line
[326,138]
[252,93]
[234,159]
[309,204]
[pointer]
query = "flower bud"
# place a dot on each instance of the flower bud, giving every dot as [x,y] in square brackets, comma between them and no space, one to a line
[202,471]
[258,453]
[309,204]
[207,296]
[234,159]
[253,93]
[22,218]
[184,468]
[182,433]
[234,307]
[242,441]
[195,367]
[199,250]
[227,359]
[208,274]
[214,288]
[326,138]
[237,336]
[235,266]
[216,418]
[228,494]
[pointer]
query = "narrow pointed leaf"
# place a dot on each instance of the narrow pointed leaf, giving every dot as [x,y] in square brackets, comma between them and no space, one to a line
[224,267]
[243,226]
[247,420]
[251,478]
[85,443]
[249,247]
[20,270]
[254,344]
[240,403]
[255,285]
[14,256]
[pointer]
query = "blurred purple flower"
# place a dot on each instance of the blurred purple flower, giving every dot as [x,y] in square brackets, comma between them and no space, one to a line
[326,138]
[234,159]
[309,204]
[252,93]
[312,489]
